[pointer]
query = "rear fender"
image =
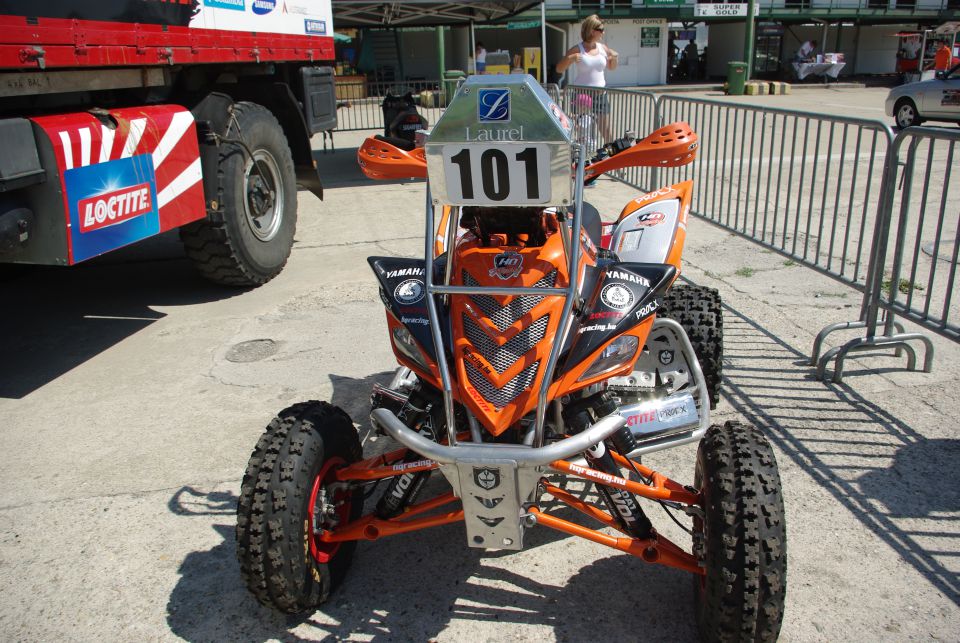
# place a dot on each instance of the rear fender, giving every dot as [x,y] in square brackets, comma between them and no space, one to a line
[653,227]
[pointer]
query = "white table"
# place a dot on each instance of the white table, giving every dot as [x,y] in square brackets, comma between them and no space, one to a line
[818,69]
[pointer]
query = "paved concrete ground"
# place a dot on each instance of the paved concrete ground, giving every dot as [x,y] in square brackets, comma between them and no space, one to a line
[132,394]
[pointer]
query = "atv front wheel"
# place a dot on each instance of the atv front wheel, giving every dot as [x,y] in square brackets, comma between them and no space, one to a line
[700,312]
[289,496]
[741,539]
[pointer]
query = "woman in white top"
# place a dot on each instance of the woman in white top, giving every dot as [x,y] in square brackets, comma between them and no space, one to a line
[592,58]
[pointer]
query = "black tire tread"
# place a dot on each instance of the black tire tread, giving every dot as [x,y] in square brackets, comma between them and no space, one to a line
[272,506]
[744,536]
[700,311]
[917,121]
[208,243]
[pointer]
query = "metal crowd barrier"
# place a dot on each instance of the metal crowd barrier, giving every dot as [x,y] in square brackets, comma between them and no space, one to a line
[600,115]
[365,99]
[803,184]
[915,278]
[360,103]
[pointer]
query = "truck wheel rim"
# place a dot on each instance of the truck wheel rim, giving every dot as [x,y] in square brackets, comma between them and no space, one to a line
[263,195]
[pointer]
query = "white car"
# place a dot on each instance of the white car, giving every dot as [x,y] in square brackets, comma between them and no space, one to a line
[927,100]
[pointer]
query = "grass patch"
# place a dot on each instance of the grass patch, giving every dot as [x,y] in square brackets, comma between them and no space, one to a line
[789,262]
[745,272]
[905,286]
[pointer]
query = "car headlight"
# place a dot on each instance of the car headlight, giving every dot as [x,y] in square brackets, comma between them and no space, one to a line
[619,352]
[406,344]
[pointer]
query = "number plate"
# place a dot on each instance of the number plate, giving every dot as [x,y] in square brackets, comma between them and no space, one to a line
[497,174]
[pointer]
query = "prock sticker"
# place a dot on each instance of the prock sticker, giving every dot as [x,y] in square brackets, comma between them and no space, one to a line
[112,204]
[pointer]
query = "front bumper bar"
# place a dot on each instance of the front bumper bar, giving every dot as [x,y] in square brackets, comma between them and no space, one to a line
[524,456]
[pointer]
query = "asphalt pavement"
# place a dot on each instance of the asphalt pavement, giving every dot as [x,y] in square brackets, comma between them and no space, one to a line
[132,394]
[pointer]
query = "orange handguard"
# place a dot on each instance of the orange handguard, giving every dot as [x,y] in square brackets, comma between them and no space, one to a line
[670,146]
[380,160]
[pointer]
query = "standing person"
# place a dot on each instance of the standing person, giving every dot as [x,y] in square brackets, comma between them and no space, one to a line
[942,57]
[911,47]
[692,57]
[480,56]
[592,59]
[805,53]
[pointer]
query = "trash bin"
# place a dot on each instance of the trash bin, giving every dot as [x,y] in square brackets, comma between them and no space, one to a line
[736,77]
[450,79]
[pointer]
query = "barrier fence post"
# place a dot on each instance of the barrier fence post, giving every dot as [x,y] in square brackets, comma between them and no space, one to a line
[894,335]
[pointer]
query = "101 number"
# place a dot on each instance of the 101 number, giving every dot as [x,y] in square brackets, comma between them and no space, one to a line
[495,173]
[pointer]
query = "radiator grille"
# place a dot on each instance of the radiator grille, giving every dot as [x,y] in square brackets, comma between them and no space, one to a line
[503,357]
[500,397]
[503,316]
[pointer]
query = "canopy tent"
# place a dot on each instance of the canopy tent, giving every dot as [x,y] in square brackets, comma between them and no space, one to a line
[430,13]
[423,13]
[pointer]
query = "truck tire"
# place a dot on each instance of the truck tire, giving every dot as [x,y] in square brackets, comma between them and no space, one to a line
[288,479]
[741,540]
[699,310]
[247,240]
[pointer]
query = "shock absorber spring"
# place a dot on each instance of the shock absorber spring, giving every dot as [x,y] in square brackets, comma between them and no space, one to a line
[403,489]
[621,503]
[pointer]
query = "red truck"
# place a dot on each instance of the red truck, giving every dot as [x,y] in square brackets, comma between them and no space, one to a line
[125,119]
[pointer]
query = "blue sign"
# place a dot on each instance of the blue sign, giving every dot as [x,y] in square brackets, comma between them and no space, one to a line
[493,105]
[315,27]
[263,7]
[233,5]
[111,204]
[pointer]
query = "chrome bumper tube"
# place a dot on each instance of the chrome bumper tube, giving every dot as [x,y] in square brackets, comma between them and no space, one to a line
[523,456]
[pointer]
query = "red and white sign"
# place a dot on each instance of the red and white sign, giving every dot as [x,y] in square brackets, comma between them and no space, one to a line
[114,207]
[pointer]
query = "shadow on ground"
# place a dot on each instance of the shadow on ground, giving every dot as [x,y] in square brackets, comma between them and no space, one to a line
[902,486]
[339,169]
[60,317]
[412,587]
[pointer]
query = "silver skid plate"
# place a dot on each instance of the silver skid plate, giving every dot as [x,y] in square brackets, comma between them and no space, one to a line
[491,503]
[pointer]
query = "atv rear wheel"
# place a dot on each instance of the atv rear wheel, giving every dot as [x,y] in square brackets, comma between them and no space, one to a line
[699,311]
[741,539]
[288,496]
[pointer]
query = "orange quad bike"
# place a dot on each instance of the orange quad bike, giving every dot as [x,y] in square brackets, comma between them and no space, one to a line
[533,349]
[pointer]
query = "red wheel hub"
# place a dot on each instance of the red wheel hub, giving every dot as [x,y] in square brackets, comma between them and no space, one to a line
[323,551]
